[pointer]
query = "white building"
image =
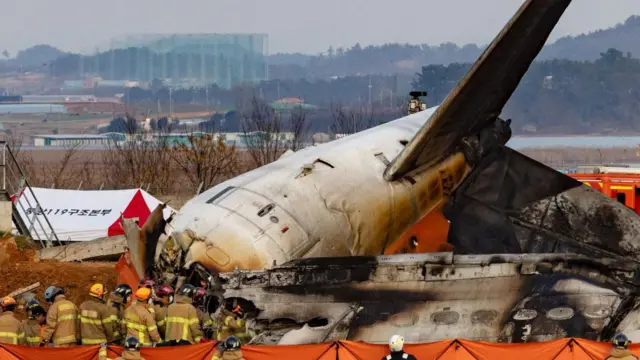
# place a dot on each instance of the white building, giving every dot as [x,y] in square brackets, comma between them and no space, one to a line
[70,140]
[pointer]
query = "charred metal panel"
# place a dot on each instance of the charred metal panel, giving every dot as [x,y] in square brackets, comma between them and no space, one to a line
[510,298]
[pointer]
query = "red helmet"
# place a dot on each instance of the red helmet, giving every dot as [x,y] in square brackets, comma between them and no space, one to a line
[164,290]
[198,296]
[148,283]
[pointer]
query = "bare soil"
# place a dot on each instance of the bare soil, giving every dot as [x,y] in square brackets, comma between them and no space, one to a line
[18,269]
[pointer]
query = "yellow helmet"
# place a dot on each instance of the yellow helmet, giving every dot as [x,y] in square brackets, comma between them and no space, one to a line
[143,294]
[97,291]
[7,301]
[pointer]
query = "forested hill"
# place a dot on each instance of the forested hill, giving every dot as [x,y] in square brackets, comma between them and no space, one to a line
[405,58]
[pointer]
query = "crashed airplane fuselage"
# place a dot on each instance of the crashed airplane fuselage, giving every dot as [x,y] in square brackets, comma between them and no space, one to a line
[358,195]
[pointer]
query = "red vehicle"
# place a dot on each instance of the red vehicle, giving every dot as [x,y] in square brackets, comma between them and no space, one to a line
[621,183]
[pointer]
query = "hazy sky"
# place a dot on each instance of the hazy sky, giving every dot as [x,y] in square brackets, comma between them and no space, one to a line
[293,25]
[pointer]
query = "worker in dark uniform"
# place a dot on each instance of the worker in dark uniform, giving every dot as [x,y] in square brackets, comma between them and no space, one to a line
[620,349]
[117,303]
[396,343]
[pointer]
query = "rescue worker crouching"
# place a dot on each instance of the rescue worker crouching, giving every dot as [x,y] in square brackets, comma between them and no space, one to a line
[140,319]
[163,298]
[620,349]
[96,322]
[396,343]
[118,300]
[37,318]
[183,325]
[11,329]
[232,323]
[62,320]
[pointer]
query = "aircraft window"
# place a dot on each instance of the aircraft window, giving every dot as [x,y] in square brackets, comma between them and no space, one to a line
[265,210]
[218,195]
[622,198]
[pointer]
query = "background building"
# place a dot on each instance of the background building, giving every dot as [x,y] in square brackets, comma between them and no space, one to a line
[181,60]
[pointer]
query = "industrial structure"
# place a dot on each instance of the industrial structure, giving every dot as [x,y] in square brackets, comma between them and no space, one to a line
[181,60]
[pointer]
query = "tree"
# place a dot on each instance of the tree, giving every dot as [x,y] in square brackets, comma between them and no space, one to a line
[262,128]
[138,161]
[347,121]
[205,159]
[6,54]
[299,128]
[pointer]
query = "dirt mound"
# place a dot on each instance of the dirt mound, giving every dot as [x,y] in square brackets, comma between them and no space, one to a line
[18,270]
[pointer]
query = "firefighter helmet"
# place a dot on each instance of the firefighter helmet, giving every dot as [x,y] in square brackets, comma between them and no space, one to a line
[232,343]
[143,294]
[132,344]
[396,343]
[148,283]
[34,309]
[7,303]
[51,293]
[124,291]
[97,291]
[621,341]
[187,290]
[165,291]
[199,295]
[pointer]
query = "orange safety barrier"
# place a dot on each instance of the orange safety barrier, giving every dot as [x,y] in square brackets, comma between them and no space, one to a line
[565,349]
[126,271]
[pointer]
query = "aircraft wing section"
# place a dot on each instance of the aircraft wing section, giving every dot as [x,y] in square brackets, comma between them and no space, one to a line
[478,99]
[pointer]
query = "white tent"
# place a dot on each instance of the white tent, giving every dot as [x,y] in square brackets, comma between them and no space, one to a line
[83,215]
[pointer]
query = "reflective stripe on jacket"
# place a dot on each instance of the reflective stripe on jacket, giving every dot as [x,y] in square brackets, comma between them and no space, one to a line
[141,323]
[32,332]
[62,322]
[161,315]
[182,322]
[11,330]
[96,323]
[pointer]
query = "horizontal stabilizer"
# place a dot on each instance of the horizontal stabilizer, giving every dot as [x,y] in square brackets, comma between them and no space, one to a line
[480,96]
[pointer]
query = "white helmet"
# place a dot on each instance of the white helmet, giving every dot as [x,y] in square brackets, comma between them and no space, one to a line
[395,343]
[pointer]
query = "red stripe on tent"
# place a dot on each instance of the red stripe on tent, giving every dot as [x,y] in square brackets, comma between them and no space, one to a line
[137,208]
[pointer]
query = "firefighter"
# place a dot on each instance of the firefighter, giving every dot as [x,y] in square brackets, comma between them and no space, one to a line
[620,349]
[140,319]
[131,350]
[96,323]
[206,322]
[229,350]
[232,323]
[11,330]
[396,343]
[118,300]
[33,326]
[183,325]
[62,320]
[163,298]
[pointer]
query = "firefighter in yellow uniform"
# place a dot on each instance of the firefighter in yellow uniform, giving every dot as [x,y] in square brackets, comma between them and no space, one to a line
[163,298]
[232,323]
[140,320]
[33,326]
[183,325]
[96,323]
[206,323]
[117,303]
[62,320]
[11,330]
[131,350]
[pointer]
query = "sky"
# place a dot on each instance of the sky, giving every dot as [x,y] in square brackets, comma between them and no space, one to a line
[293,26]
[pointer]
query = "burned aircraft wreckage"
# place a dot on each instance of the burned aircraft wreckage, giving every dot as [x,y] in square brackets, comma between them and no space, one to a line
[537,255]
